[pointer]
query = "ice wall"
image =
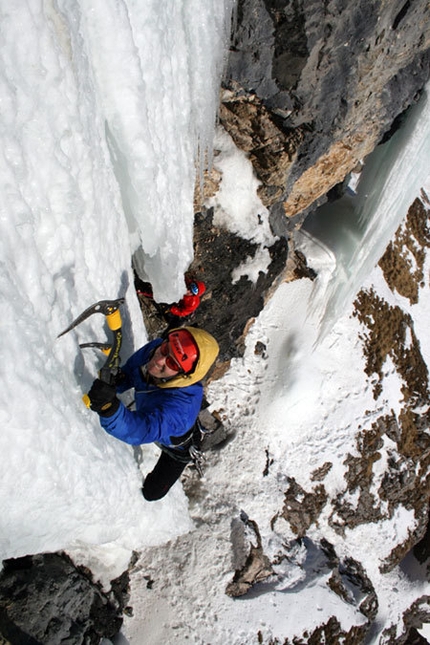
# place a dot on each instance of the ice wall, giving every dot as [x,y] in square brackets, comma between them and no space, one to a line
[103,103]
[157,68]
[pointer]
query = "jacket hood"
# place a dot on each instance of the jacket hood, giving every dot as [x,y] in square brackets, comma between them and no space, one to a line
[208,352]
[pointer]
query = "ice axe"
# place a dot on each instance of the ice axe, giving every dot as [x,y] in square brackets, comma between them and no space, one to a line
[110,309]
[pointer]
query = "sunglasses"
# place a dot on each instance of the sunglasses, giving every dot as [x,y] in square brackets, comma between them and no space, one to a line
[171,362]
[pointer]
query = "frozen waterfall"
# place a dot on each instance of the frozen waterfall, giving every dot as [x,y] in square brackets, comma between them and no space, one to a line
[352,233]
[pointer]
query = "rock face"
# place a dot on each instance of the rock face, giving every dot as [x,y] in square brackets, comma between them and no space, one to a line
[46,599]
[251,564]
[312,87]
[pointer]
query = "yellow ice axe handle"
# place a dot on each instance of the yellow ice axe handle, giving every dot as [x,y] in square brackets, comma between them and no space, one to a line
[114,320]
[114,323]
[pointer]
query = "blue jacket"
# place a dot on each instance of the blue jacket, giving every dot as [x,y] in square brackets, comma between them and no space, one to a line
[161,413]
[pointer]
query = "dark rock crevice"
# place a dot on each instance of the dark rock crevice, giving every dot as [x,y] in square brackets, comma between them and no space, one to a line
[45,599]
[227,309]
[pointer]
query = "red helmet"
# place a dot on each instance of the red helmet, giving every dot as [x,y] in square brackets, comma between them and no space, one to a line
[184,349]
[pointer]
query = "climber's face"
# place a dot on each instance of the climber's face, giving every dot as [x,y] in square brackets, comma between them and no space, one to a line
[163,363]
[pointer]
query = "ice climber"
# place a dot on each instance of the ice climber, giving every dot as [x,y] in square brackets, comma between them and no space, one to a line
[176,313]
[166,375]
[190,301]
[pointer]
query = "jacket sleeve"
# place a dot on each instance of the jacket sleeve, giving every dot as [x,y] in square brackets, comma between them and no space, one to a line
[133,427]
[186,306]
[172,417]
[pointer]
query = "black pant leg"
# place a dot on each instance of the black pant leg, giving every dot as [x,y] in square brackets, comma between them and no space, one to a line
[166,472]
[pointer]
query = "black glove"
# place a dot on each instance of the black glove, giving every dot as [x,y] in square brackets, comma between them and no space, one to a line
[103,398]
